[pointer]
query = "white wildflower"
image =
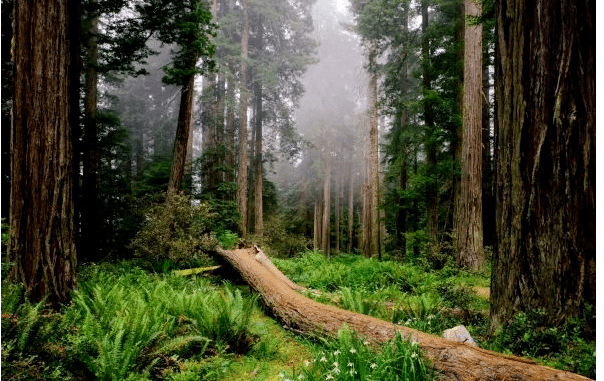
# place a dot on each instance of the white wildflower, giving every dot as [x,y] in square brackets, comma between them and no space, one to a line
[337,352]
[335,364]
[306,363]
[323,359]
[352,350]
[336,370]
[350,364]
[300,377]
[329,377]
[281,375]
[352,372]
[373,366]
[413,355]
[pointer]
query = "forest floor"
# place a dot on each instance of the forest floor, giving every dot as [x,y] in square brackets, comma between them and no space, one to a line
[203,327]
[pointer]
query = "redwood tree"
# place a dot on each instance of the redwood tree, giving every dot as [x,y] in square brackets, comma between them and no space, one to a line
[470,252]
[45,113]
[545,250]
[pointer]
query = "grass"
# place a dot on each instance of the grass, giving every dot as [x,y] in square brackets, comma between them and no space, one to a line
[126,323]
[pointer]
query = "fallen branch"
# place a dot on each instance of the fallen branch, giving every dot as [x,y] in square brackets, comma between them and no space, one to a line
[455,360]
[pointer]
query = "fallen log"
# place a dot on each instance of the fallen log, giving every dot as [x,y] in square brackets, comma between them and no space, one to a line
[455,360]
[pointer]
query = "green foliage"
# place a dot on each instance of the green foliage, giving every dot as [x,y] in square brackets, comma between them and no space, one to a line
[176,230]
[227,239]
[280,239]
[571,346]
[29,334]
[456,295]
[188,24]
[348,357]
[355,301]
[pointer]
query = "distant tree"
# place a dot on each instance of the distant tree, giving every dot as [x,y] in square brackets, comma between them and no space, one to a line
[545,252]
[470,251]
[42,215]
[243,134]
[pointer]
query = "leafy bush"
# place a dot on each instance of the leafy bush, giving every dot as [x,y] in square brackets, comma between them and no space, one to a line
[456,295]
[176,230]
[227,239]
[280,239]
[571,346]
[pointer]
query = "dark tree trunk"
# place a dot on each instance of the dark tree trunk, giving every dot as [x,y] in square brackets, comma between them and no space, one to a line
[470,252]
[545,250]
[181,142]
[258,213]
[431,145]
[42,215]
[325,234]
[350,210]
[89,217]
[243,162]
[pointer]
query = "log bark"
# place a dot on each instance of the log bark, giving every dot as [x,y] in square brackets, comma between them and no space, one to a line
[455,360]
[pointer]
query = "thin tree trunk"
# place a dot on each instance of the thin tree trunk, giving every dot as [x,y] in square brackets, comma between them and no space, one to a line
[258,226]
[431,148]
[230,133]
[243,165]
[42,212]
[545,250]
[89,218]
[325,235]
[337,208]
[374,180]
[350,209]
[470,251]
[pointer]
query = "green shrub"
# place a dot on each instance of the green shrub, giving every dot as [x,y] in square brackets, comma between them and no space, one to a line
[456,295]
[176,230]
[227,239]
[571,346]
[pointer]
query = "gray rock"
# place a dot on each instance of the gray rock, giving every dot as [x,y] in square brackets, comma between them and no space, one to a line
[459,333]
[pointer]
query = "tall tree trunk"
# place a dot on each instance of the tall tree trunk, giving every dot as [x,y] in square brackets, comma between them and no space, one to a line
[470,251]
[401,218]
[350,209]
[89,218]
[374,180]
[431,145]
[337,207]
[488,203]
[181,142]
[545,249]
[258,226]
[42,213]
[230,133]
[325,235]
[243,165]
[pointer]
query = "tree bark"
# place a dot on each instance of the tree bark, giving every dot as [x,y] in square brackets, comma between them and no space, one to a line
[470,252]
[374,180]
[243,165]
[258,213]
[545,250]
[350,209]
[430,144]
[325,235]
[455,360]
[337,207]
[45,115]
[183,128]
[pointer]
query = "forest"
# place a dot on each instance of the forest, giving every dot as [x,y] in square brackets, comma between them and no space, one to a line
[298,190]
